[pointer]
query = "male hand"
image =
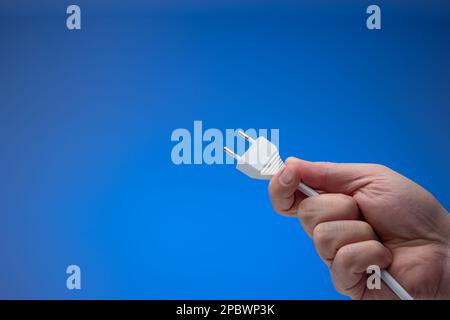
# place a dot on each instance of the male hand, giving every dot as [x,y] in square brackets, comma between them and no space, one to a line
[369,215]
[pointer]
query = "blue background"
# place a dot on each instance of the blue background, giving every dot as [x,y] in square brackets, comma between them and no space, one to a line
[86,117]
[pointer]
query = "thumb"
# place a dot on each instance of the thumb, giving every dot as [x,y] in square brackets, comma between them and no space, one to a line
[332,177]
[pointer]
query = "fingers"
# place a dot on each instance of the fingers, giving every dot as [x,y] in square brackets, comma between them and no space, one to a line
[333,219]
[326,207]
[330,236]
[348,270]
[283,191]
[329,177]
[335,177]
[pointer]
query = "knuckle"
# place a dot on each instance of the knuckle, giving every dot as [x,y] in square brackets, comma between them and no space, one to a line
[380,253]
[376,167]
[290,160]
[322,236]
[374,246]
[346,257]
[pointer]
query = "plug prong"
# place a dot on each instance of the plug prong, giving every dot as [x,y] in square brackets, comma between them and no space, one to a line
[245,136]
[232,154]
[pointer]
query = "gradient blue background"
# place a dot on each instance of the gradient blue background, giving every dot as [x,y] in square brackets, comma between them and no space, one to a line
[86,116]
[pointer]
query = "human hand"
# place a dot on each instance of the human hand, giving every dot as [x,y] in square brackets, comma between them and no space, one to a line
[369,215]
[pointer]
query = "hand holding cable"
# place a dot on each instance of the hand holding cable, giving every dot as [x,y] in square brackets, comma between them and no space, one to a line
[364,215]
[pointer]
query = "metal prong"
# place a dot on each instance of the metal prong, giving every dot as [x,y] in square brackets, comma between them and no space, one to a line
[245,136]
[231,153]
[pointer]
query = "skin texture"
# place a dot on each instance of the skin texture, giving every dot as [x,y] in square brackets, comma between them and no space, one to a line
[368,214]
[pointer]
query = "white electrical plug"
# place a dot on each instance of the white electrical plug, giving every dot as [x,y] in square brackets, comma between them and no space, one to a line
[262,161]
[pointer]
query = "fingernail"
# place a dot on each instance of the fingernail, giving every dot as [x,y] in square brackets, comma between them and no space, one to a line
[287,176]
